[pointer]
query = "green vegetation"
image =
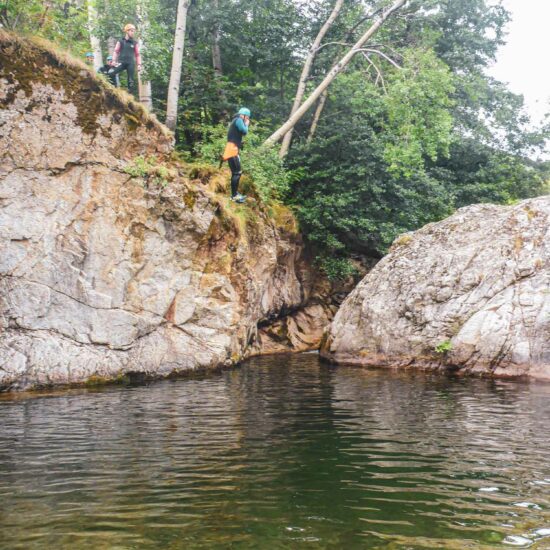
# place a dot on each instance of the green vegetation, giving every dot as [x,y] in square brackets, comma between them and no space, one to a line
[412,130]
[336,268]
[150,170]
[60,21]
[443,347]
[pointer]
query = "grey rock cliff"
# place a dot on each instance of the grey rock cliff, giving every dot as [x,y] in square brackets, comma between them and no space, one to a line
[103,274]
[470,293]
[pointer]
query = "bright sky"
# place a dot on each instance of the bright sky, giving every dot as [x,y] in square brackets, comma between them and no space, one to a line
[524,62]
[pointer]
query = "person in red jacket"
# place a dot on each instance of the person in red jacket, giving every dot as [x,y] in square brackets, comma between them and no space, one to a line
[126,54]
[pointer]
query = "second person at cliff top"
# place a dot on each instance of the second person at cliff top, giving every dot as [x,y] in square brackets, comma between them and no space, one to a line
[126,53]
[105,70]
[237,129]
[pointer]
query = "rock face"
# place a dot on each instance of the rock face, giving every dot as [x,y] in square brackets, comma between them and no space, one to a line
[102,273]
[470,293]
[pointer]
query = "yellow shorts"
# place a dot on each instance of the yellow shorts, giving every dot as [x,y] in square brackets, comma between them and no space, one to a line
[231,150]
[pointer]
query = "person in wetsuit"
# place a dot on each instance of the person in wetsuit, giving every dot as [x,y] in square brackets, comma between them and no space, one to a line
[127,56]
[104,70]
[237,129]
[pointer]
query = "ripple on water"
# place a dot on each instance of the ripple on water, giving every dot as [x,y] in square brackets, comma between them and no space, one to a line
[282,452]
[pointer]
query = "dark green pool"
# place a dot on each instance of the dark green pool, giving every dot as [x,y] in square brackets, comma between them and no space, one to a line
[283,452]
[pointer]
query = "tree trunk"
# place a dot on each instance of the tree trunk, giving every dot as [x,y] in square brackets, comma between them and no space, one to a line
[317,116]
[216,51]
[306,69]
[111,43]
[177,59]
[331,75]
[217,55]
[94,40]
[144,86]
[144,92]
[217,58]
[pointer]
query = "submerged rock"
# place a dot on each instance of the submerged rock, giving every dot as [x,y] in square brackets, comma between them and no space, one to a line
[108,268]
[470,293]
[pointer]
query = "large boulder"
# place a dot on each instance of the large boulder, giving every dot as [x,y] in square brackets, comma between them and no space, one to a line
[115,259]
[470,293]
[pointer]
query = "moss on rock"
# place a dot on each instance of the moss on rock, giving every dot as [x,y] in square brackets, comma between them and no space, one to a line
[25,62]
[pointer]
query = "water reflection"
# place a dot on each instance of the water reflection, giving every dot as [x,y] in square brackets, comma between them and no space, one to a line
[281,453]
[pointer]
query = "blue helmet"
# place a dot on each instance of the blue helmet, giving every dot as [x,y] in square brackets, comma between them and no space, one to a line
[244,111]
[109,58]
[89,54]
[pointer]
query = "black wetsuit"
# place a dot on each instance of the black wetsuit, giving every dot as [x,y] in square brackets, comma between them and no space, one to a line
[111,77]
[236,172]
[237,129]
[127,60]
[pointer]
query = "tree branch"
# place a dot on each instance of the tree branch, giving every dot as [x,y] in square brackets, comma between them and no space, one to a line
[331,44]
[332,74]
[378,71]
[387,58]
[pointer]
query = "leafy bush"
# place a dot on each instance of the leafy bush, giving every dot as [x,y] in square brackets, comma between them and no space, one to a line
[347,201]
[476,173]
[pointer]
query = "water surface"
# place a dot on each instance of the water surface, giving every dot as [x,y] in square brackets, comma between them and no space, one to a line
[283,452]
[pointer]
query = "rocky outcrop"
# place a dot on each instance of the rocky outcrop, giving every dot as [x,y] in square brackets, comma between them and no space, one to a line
[470,293]
[303,328]
[115,259]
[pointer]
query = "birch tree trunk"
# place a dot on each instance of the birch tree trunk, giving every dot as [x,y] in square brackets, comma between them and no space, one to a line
[111,43]
[217,58]
[317,116]
[177,58]
[216,51]
[144,92]
[94,40]
[331,75]
[306,69]
[144,86]
[217,55]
